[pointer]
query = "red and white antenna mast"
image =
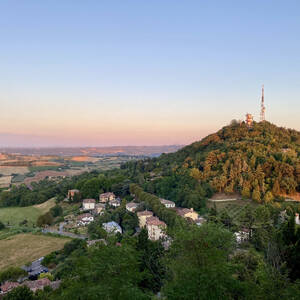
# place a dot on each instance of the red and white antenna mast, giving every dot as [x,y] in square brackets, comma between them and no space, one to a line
[262,106]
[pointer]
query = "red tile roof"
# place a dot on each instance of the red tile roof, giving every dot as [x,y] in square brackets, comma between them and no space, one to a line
[8,285]
[145,213]
[155,221]
[89,201]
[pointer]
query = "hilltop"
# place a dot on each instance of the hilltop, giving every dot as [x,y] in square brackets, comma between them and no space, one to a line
[261,162]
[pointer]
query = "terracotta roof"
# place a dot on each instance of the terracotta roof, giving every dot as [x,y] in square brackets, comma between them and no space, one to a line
[155,221]
[165,201]
[89,201]
[183,211]
[145,213]
[132,204]
[87,215]
[107,194]
[74,190]
[8,285]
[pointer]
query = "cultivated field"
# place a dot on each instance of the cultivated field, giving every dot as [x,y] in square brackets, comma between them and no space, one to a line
[13,170]
[5,181]
[20,249]
[15,215]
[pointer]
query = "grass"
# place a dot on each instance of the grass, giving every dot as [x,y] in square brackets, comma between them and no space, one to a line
[14,215]
[20,249]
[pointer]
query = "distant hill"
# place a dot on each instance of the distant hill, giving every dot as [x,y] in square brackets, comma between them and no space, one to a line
[262,162]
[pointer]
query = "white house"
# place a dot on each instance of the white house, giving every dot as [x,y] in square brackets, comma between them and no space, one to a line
[131,206]
[112,227]
[88,204]
[167,203]
[84,219]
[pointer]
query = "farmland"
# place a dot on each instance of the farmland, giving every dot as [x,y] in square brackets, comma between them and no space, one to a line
[20,249]
[14,215]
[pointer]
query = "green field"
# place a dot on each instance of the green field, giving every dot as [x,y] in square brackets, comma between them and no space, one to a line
[21,249]
[15,215]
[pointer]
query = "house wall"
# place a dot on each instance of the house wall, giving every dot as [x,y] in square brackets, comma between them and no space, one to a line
[193,215]
[88,206]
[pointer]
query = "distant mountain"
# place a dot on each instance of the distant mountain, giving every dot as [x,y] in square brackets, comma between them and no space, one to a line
[261,162]
[151,151]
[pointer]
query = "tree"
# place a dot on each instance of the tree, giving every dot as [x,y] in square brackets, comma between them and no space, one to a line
[198,265]
[276,188]
[268,197]
[256,195]
[20,293]
[46,219]
[2,226]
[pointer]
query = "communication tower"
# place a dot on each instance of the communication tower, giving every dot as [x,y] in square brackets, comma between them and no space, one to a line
[262,105]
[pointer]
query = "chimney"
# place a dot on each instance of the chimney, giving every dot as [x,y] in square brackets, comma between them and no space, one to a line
[193,210]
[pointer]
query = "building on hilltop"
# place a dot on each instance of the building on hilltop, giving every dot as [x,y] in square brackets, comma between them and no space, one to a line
[249,120]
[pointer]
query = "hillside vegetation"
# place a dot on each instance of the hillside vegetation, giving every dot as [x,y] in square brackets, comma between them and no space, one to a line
[261,163]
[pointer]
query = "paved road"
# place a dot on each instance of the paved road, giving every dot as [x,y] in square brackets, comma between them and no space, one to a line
[64,233]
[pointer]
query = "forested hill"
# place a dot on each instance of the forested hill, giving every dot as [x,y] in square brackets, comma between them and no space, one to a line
[261,163]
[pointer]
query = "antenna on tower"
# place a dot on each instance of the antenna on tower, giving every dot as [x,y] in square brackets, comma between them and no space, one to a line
[262,106]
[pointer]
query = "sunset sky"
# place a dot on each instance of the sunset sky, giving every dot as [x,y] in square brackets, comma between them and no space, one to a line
[100,73]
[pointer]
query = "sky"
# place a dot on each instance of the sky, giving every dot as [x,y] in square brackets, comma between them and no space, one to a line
[104,73]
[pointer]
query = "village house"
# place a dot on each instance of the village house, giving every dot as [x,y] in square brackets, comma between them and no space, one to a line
[143,215]
[106,197]
[131,206]
[88,204]
[112,227]
[187,213]
[167,203]
[72,193]
[115,203]
[99,208]
[84,219]
[155,228]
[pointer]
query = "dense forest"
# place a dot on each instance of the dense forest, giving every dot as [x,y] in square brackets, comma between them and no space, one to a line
[261,162]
